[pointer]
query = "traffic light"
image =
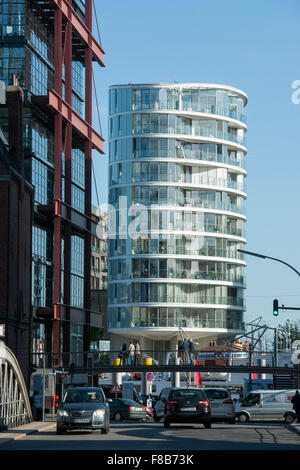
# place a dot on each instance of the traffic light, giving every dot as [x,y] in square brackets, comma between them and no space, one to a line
[60,379]
[275,307]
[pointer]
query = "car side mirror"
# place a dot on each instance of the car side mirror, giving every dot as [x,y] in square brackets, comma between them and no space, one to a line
[109,400]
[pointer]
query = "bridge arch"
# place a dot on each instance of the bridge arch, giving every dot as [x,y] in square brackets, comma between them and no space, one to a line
[15,406]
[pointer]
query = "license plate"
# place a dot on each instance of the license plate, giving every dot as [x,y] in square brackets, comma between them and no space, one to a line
[81,420]
[214,405]
[188,409]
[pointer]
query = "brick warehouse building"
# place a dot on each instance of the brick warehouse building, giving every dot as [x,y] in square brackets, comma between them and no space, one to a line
[48,47]
[16,197]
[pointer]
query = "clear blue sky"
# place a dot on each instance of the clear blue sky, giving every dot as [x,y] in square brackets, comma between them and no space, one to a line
[253,45]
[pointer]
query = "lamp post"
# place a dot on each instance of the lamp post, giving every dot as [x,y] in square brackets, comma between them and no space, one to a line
[259,255]
[268,257]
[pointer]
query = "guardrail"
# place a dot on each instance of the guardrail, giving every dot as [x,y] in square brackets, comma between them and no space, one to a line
[217,357]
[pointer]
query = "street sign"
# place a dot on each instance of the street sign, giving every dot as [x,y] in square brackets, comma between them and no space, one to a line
[149,376]
[115,388]
[218,354]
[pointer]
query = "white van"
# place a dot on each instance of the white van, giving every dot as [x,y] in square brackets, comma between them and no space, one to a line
[266,405]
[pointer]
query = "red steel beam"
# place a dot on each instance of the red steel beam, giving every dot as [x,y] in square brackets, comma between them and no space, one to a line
[60,106]
[88,173]
[83,31]
[57,187]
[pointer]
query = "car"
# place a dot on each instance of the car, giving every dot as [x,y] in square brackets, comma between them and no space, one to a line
[83,408]
[183,405]
[221,403]
[123,408]
[109,394]
[266,405]
[159,404]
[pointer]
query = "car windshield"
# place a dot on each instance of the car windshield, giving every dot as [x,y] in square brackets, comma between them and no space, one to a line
[216,394]
[193,394]
[83,396]
[251,399]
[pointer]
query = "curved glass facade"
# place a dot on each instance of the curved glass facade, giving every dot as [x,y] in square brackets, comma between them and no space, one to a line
[176,195]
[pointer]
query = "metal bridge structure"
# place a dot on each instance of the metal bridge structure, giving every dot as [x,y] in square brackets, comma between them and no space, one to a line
[98,369]
[15,406]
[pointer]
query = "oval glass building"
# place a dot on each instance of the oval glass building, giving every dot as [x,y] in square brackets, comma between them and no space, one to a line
[176,195]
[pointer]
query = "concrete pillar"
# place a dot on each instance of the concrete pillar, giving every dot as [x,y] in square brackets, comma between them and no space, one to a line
[261,362]
[176,375]
[145,385]
[117,378]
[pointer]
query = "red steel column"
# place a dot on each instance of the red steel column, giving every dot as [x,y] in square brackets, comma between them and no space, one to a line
[57,187]
[68,178]
[88,172]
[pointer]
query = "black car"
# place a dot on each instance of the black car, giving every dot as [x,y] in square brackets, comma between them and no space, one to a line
[83,408]
[122,408]
[107,391]
[183,405]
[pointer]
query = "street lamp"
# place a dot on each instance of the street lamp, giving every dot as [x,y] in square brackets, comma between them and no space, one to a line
[268,257]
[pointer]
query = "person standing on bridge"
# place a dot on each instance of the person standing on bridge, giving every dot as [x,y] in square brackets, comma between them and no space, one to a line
[123,353]
[296,405]
[137,353]
[131,351]
[191,351]
[186,349]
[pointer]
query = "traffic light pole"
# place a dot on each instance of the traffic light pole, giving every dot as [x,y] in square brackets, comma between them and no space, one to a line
[258,255]
[269,257]
[288,308]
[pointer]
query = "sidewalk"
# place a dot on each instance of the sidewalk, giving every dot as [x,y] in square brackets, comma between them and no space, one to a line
[22,431]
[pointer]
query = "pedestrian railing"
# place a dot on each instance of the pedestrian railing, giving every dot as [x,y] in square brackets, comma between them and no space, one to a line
[217,355]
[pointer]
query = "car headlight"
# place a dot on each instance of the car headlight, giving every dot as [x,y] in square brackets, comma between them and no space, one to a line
[62,413]
[99,413]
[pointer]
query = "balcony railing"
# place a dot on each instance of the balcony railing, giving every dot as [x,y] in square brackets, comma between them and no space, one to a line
[188,131]
[223,206]
[187,179]
[188,299]
[196,107]
[177,274]
[181,250]
[189,154]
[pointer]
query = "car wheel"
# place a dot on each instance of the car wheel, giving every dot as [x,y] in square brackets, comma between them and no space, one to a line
[117,416]
[243,418]
[289,418]
[207,425]
[105,430]
[59,430]
[166,424]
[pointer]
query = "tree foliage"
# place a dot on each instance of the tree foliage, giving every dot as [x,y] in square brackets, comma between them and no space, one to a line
[288,333]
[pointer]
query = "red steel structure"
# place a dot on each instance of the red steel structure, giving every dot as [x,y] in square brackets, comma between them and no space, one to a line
[63,112]
[70,33]
[47,51]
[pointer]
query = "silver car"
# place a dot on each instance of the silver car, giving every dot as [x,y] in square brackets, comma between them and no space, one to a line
[221,404]
[83,408]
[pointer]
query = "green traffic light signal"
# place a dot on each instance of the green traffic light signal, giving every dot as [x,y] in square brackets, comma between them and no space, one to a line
[275,307]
